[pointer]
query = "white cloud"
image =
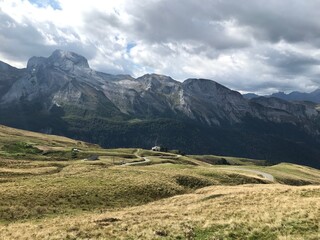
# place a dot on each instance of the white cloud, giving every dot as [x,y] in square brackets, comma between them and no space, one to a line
[263,46]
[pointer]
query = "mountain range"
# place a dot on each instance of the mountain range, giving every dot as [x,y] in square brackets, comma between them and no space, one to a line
[62,95]
[293,96]
[299,96]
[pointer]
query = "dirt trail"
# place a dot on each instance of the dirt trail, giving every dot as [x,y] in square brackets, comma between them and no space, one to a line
[145,160]
[263,174]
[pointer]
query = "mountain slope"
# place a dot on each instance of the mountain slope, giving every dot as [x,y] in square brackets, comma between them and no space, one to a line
[61,94]
[8,76]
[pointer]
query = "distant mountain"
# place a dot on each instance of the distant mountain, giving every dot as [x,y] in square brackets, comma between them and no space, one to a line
[61,94]
[299,96]
[293,96]
[250,95]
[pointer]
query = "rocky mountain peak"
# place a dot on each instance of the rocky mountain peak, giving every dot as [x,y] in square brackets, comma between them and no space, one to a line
[156,82]
[63,60]
[205,86]
[66,59]
[35,62]
[156,78]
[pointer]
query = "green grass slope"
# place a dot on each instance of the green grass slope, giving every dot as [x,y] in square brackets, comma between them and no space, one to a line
[41,177]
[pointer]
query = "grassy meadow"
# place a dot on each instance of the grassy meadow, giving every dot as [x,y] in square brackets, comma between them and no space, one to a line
[50,189]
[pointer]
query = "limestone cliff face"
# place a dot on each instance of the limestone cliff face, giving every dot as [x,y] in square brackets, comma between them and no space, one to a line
[213,103]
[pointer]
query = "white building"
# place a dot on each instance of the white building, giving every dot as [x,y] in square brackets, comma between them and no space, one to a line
[156,148]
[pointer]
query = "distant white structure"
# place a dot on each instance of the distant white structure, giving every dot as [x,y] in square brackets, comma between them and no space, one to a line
[156,148]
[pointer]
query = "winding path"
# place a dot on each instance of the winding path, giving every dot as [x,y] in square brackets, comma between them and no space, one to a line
[145,160]
[136,153]
[263,174]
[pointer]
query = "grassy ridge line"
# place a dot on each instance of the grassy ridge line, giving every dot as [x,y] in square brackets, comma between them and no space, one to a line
[12,132]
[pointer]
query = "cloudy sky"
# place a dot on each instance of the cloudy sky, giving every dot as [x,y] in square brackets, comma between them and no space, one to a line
[260,46]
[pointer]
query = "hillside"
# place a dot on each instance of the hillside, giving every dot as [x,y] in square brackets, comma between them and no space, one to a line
[52,192]
[235,212]
[62,95]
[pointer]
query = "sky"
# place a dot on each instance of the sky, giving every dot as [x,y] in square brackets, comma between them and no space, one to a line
[260,46]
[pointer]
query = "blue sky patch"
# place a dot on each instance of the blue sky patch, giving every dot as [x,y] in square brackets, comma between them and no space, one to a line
[130,46]
[45,3]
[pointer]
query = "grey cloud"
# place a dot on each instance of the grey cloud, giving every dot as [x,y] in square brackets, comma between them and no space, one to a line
[15,37]
[20,41]
[100,24]
[167,22]
[273,20]
[291,63]
[269,20]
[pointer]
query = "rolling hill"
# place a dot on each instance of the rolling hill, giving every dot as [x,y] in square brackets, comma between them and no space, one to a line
[51,188]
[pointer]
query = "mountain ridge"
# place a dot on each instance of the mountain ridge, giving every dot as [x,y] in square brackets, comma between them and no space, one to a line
[313,96]
[61,94]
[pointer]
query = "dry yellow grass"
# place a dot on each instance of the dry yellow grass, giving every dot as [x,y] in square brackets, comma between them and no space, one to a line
[235,212]
[42,170]
[12,132]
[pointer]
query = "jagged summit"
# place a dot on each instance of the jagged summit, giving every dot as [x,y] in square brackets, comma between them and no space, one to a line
[156,77]
[63,60]
[60,57]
